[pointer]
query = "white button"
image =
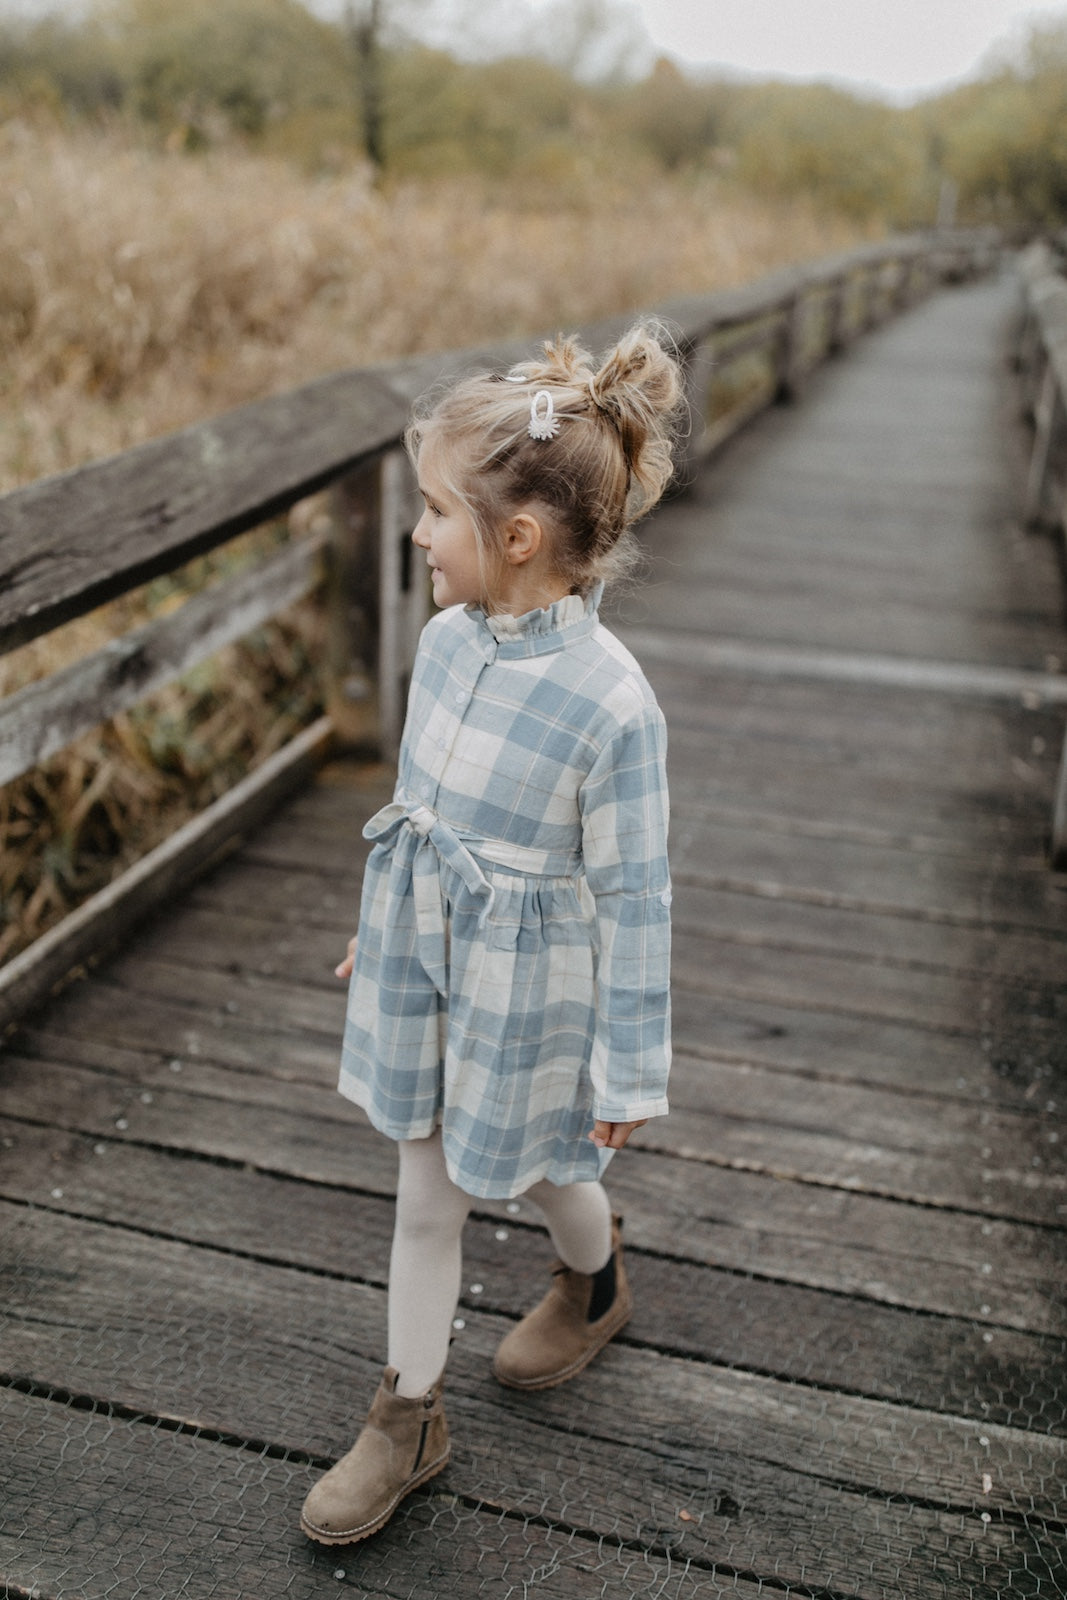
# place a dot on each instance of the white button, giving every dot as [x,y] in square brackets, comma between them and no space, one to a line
[442,744]
[461,697]
[666,897]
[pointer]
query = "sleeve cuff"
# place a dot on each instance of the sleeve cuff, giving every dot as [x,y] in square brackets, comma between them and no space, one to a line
[635,1111]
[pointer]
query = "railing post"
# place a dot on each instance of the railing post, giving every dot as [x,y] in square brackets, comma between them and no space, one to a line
[790,354]
[910,282]
[352,628]
[1059,815]
[375,603]
[837,320]
[866,286]
[1027,354]
[699,365]
[403,589]
[1049,423]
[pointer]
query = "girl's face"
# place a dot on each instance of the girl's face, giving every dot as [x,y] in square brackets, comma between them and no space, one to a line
[448,535]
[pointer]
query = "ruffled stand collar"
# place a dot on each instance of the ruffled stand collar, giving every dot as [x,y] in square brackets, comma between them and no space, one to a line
[548,626]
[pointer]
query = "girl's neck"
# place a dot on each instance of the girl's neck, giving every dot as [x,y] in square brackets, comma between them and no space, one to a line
[524,592]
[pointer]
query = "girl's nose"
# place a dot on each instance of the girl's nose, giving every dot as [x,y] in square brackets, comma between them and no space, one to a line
[419,534]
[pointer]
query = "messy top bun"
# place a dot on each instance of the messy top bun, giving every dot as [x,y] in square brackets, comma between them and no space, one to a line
[606,464]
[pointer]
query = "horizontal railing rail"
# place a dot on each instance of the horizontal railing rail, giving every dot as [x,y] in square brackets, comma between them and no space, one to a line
[1041,358]
[77,540]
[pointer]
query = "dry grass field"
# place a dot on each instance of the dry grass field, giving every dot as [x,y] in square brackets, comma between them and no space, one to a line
[141,290]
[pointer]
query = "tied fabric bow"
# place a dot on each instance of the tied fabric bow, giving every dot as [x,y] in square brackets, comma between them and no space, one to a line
[431,841]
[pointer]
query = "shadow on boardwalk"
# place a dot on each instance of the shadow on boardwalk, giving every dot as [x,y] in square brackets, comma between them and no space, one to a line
[845,1375]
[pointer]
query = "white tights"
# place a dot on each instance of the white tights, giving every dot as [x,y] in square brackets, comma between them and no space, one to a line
[426,1266]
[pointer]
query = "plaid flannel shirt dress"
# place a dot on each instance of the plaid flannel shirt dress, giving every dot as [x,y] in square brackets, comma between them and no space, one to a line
[511,979]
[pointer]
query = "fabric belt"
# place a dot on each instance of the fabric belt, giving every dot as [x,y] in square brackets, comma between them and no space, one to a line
[430,841]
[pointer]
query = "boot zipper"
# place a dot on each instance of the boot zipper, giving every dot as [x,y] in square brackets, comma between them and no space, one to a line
[422,1444]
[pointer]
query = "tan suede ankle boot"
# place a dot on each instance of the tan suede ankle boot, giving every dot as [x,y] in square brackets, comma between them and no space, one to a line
[404,1443]
[557,1340]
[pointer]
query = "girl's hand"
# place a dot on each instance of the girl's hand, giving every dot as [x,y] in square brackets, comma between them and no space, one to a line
[345,968]
[613,1135]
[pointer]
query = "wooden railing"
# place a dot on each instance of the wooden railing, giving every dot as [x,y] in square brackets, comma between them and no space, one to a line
[71,542]
[1041,357]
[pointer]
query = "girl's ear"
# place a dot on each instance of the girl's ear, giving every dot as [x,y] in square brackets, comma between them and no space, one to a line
[523,538]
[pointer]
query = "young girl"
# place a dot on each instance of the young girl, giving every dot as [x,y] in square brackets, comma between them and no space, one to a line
[508,1017]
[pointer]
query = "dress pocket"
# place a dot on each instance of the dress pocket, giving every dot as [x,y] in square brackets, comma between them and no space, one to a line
[504,922]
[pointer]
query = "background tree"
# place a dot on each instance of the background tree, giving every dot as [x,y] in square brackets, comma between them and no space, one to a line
[563,96]
[363,21]
[1005,137]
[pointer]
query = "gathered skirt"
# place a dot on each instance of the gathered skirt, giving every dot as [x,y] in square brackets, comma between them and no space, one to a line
[471,1008]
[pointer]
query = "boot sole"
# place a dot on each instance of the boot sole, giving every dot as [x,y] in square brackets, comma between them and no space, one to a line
[364,1531]
[553,1379]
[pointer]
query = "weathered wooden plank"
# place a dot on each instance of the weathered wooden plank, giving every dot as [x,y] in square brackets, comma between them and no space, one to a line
[836,981]
[1003,1068]
[281,901]
[306,1046]
[687,1308]
[333,806]
[75,540]
[158,1507]
[988,847]
[835,619]
[938,741]
[731,960]
[304,923]
[901,813]
[993,1162]
[1001,771]
[675,1430]
[720,773]
[96,924]
[228,996]
[743,1220]
[227,1001]
[989,838]
[819,1130]
[46,716]
[846,873]
[1006,891]
[717,656]
[768,919]
[1012,1031]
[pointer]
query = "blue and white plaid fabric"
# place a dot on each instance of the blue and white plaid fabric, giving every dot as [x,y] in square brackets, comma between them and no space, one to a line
[511,980]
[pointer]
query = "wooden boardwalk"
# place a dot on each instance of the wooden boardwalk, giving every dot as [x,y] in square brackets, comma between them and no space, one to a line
[845,1376]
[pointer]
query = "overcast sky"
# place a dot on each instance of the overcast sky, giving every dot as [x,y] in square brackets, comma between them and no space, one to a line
[900,46]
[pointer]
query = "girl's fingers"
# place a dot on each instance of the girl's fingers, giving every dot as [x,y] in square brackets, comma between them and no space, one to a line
[344,970]
[613,1135]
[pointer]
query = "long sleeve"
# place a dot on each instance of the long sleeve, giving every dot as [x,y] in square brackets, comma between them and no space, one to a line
[624,812]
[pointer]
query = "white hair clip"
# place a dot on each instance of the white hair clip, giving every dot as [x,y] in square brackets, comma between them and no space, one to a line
[515,376]
[543,422]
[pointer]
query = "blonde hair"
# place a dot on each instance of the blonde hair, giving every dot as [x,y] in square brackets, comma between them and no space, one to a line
[605,467]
